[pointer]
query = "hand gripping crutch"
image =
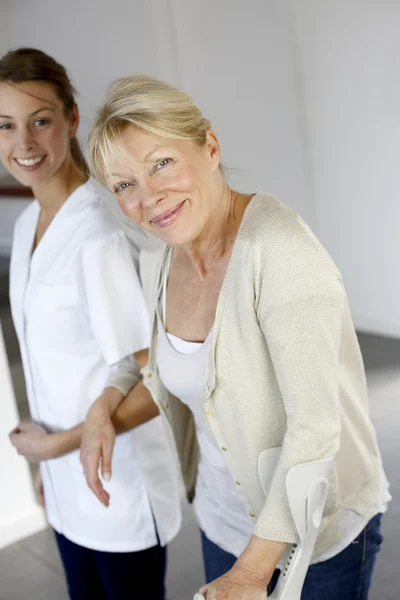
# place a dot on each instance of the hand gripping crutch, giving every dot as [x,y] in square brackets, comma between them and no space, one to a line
[307,490]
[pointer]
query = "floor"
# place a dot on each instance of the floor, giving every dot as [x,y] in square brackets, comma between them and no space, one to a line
[31,569]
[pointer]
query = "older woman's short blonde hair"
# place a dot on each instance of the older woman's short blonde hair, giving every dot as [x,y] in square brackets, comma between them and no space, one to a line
[148,104]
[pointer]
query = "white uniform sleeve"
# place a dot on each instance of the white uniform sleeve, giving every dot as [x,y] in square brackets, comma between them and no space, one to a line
[115,303]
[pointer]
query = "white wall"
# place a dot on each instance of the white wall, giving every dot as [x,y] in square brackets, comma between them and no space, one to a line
[97,40]
[237,65]
[10,209]
[351,71]
[235,58]
[4,41]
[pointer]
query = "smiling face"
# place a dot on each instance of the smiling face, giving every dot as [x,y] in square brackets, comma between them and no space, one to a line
[167,186]
[34,131]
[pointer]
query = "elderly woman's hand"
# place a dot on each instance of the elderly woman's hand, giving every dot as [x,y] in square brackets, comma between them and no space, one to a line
[250,575]
[97,443]
[235,585]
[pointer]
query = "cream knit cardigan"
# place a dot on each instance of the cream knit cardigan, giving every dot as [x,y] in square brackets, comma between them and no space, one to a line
[285,370]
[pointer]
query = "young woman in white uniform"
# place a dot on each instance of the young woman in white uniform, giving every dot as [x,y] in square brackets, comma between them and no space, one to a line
[78,311]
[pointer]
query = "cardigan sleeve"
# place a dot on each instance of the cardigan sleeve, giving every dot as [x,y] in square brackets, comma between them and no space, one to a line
[300,308]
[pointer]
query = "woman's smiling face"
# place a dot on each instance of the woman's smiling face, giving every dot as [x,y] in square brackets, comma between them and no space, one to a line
[35,133]
[165,185]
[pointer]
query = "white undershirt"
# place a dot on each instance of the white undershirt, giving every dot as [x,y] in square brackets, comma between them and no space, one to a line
[220,512]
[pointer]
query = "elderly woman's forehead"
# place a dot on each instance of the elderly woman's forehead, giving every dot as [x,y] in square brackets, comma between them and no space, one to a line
[141,144]
[134,136]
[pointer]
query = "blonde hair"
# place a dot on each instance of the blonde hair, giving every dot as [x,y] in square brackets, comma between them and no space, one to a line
[150,105]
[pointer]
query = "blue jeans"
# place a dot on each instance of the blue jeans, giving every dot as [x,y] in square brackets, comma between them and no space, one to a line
[113,575]
[346,576]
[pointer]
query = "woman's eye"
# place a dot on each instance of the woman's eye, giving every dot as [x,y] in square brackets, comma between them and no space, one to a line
[162,163]
[5,126]
[41,122]
[121,187]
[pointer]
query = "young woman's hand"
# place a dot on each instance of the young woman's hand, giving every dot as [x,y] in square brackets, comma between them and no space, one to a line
[97,443]
[33,442]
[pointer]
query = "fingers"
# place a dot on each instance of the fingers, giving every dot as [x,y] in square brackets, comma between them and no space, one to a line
[22,426]
[97,488]
[108,447]
[15,432]
[91,464]
[20,442]
[12,436]
[15,440]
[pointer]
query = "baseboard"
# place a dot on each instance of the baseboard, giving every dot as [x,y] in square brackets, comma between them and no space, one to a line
[23,527]
[377,327]
[5,246]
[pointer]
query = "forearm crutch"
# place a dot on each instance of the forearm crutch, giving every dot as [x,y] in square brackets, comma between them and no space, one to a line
[307,489]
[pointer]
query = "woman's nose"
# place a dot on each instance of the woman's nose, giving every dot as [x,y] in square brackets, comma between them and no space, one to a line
[153,194]
[25,141]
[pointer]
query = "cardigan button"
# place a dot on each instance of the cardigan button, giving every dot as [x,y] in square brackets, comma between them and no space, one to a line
[224,449]
[238,483]
[252,515]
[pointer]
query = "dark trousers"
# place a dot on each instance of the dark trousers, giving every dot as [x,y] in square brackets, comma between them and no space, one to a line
[113,575]
[346,576]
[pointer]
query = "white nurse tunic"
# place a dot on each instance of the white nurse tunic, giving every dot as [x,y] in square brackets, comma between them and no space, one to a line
[78,310]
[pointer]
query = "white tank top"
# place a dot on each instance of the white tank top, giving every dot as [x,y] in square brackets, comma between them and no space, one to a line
[220,512]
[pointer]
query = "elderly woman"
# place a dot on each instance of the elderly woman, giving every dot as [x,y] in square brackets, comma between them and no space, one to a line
[252,347]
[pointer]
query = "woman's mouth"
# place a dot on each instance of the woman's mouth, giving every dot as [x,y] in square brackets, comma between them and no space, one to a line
[168,217]
[30,164]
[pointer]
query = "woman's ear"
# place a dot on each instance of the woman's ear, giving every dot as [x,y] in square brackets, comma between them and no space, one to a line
[213,149]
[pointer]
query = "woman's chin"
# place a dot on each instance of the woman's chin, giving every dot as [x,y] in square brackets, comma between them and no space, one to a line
[34,181]
[173,236]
